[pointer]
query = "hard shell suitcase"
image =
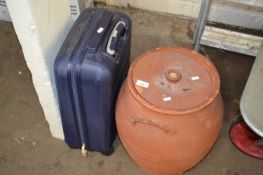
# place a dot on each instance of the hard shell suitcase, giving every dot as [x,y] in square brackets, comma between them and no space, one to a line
[89,70]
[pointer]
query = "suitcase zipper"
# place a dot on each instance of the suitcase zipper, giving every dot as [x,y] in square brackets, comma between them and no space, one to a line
[75,70]
[74,75]
[72,81]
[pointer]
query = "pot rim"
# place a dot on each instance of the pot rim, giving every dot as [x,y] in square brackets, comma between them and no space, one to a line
[191,53]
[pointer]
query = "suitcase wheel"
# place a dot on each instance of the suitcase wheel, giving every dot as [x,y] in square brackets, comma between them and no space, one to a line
[108,152]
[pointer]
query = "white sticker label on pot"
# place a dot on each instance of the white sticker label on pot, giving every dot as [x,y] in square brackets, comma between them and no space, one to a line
[195,78]
[100,30]
[167,98]
[142,83]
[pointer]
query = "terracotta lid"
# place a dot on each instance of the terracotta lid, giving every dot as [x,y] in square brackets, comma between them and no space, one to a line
[173,80]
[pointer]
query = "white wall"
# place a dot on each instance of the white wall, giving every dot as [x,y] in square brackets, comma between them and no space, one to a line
[41,27]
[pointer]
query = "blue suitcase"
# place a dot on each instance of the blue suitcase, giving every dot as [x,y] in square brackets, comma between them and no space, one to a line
[89,70]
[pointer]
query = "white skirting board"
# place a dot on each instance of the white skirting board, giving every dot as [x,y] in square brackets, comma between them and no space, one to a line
[76,7]
[257,3]
[219,13]
[231,40]
[4,13]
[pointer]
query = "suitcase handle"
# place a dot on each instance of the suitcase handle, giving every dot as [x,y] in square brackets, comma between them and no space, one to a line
[116,34]
[166,129]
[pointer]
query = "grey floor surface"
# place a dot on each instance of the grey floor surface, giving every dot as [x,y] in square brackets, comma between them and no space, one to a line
[26,146]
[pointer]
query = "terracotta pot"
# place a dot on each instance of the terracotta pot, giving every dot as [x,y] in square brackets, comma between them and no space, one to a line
[169,111]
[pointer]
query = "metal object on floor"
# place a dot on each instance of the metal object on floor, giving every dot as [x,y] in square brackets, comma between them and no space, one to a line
[201,22]
[222,38]
[231,40]
[247,133]
[252,97]
[245,139]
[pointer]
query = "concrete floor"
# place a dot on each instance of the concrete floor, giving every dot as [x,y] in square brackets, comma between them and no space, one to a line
[26,146]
